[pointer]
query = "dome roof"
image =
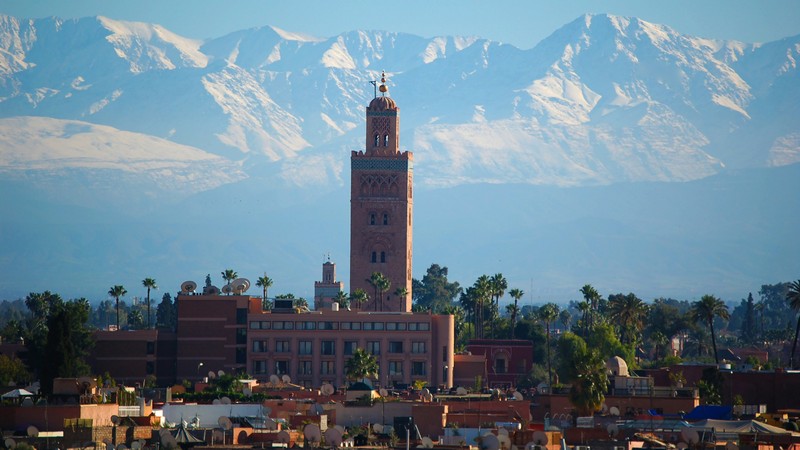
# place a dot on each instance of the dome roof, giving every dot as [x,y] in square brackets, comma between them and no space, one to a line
[382,104]
[617,366]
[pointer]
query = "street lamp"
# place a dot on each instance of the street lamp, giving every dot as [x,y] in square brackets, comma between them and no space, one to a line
[198,368]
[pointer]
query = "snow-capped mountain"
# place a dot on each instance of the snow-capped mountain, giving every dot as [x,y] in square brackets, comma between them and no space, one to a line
[242,137]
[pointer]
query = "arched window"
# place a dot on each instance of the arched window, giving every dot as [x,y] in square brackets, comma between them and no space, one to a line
[372,218]
[385,219]
[377,139]
[385,140]
[383,257]
[374,257]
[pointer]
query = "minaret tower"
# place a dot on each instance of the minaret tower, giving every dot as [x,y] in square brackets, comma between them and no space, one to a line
[381,204]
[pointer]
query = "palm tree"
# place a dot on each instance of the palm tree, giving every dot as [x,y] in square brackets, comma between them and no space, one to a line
[117,291]
[516,294]
[264,283]
[229,275]
[793,297]
[149,283]
[706,310]
[342,299]
[381,284]
[498,288]
[659,341]
[547,314]
[592,297]
[359,297]
[629,312]
[483,292]
[565,317]
[361,365]
[401,292]
[588,389]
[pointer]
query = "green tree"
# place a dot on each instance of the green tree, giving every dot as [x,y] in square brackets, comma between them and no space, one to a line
[592,298]
[629,313]
[381,284]
[565,317]
[513,310]
[166,313]
[68,343]
[135,320]
[342,300]
[498,286]
[402,293]
[548,314]
[359,297]
[585,370]
[264,283]
[361,365]
[149,283]
[12,371]
[434,292]
[229,275]
[706,310]
[117,291]
[793,298]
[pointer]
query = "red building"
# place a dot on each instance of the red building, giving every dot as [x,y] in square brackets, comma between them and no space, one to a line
[507,360]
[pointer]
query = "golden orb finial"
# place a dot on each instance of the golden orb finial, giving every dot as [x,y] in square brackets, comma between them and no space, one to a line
[383,87]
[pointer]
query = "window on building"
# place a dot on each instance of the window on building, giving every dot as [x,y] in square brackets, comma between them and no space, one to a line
[281,367]
[327,368]
[383,257]
[385,219]
[241,355]
[385,140]
[241,336]
[350,347]
[281,346]
[374,326]
[304,368]
[377,139]
[241,316]
[150,367]
[374,347]
[260,367]
[306,325]
[419,326]
[374,257]
[418,347]
[500,365]
[259,346]
[328,325]
[395,368]
[304,348]
[255,325]
[418,368]
[328,348]
[396,326]
[151,348]
[395,346]
[372,218]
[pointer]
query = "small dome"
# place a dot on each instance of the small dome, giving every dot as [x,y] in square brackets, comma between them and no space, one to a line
[617,366]
[382,104]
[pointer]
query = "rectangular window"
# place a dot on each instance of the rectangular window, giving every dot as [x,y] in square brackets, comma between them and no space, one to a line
[328,348]
[350,347]
[304,368]
[395,346]
[327,368]
[306,325]
[378,326]
[282,346]
[260,367]
[395,326]
[241,355]
[255,325]
[150,367]
[151,348]
[277,326]
[418,347]
[241,336]
[259,346]
[281,367]
[304,348]
[374,347]
[419,326]
[329,325]
[241,316]
[266,325]
[417,368]
[395,368]
[283,326]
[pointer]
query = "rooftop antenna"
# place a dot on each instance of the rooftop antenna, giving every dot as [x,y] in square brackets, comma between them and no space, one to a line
[374,84]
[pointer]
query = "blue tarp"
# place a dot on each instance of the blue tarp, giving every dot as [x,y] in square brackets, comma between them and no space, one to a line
[704,412]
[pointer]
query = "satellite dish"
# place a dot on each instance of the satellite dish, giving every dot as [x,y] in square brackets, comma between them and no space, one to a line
[327,389]
[122,447]
[188,287]
[603,408]
[227,289]
[614,411]
[270,424]
[274,379]
[216,401]
[286,379]
[312,433]
[283,437]
[240,285]
[427,442]
[211,290]
[225,423]
[225,401]
[505,441]
[136,445]
[115,420]
[613,430]
[731,446]
[109,444]
[266,409]
[682,445]
[532,446]
[502,432]
[377,428]
[212,375]
[518,395]
[10,443]
[425,392]
[540,438]
[340,428]
[333,437]
[461,391]
[690,436]
[220,372]
[247,391]
[383,392]
[490,442]
[33,431]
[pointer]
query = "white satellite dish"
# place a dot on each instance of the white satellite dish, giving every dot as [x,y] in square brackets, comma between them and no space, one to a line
[216,401]
[333,437]
[502,432]
[225,423]
[136,445]
[461,391]
[227,289]
[731,446]
[690,436]
[188,287]
[240,285]
[377,428]
[10,443]
[489,442]
[109,444]
[225,401]
[274,379]
[312,433]
[505,441]
[122,447]
[327,389]
[283,437]
[383,392]
[682,445]
[532,446]
[220,372]
[340,428]
[518,395]
[266,409]
[614,411]
[212,375]
[33,431]
[270,424]
[425,392]
[613,430]
[540,438]
[286,379]
[427,442]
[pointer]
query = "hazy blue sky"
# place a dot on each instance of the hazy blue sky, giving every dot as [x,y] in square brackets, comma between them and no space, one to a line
[519,22]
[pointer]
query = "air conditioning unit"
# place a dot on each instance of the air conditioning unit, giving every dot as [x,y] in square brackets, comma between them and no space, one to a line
[582,447]
[619,447]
